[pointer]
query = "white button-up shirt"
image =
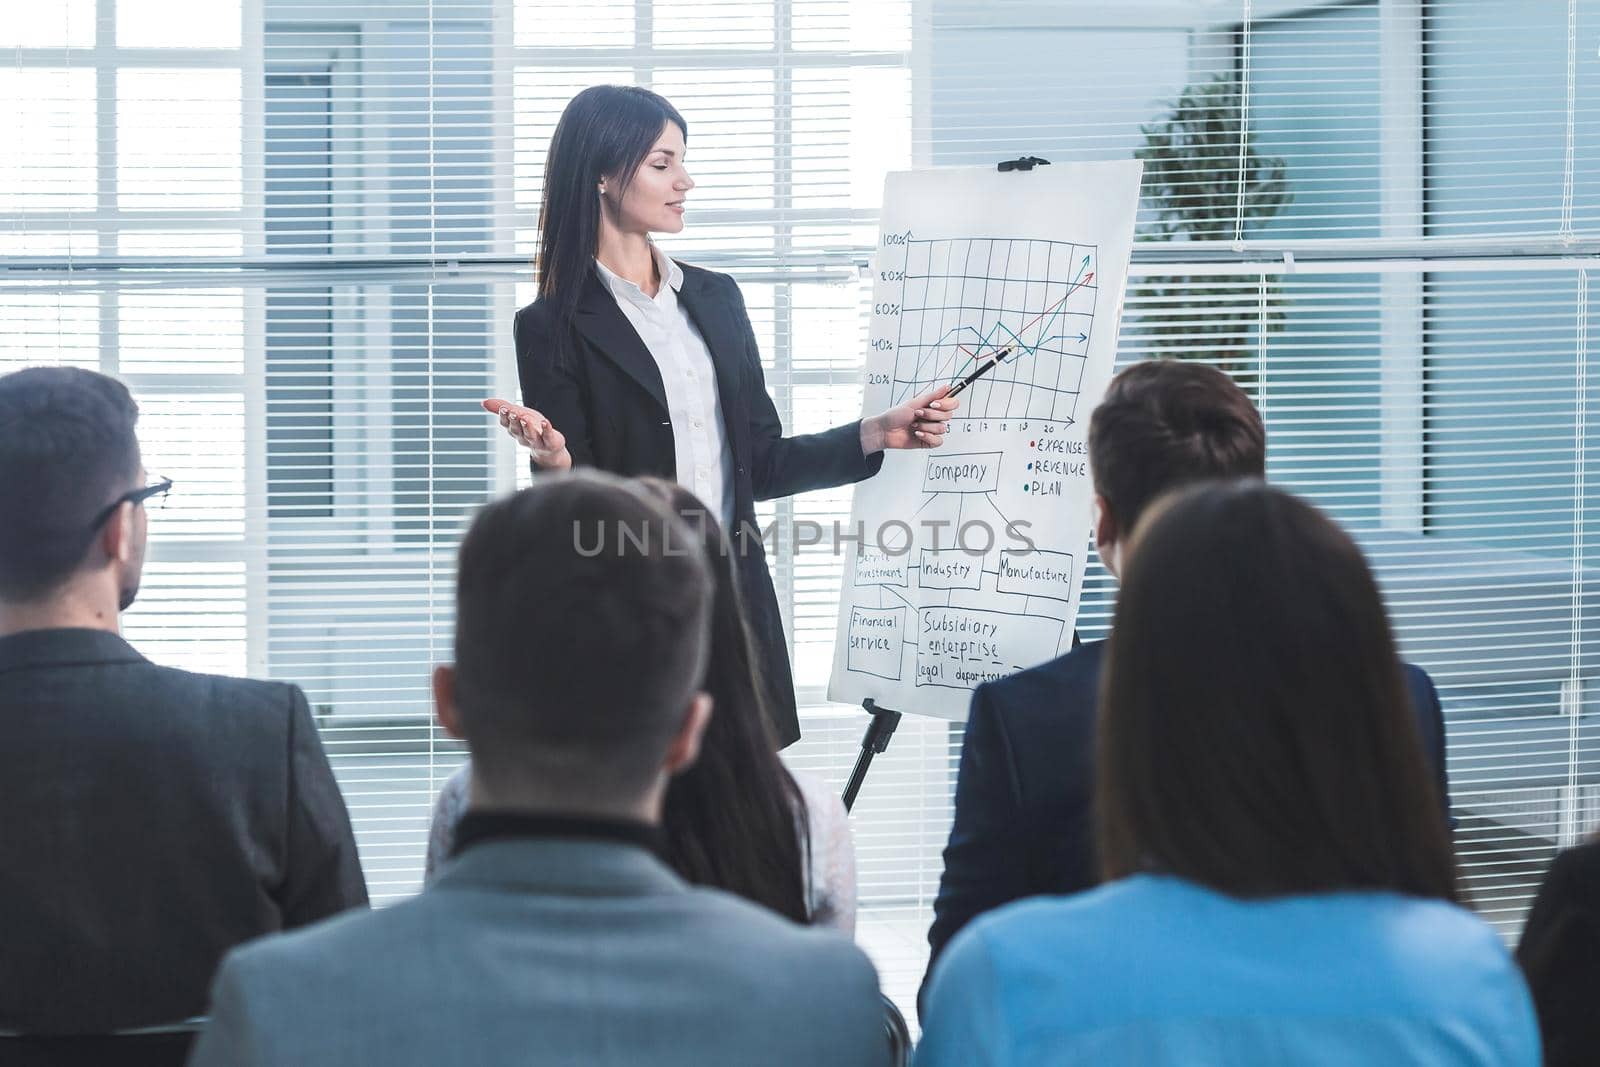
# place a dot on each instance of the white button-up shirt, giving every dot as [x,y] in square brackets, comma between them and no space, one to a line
[704,457]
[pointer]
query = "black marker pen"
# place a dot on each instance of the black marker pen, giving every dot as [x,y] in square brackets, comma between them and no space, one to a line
[999,358]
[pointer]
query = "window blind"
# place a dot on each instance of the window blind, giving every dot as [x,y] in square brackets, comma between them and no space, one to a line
[299,230]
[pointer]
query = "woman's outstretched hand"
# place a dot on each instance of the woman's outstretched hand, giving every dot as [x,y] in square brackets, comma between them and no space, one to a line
[532,431]
[918,423]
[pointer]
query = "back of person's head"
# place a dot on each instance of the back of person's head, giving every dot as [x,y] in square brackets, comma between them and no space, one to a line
[67,452]
[581,639]
[1167,423]
[734,819]
[1255,733]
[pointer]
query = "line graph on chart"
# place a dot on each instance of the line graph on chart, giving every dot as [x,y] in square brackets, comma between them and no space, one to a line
[965,300]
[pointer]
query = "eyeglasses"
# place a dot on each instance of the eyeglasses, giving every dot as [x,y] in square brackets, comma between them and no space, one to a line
[157,490]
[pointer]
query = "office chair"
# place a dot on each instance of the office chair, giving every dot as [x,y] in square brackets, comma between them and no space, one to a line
[166,1045]
[897,1033]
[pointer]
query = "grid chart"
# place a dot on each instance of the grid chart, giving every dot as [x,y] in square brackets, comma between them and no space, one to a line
[964,300]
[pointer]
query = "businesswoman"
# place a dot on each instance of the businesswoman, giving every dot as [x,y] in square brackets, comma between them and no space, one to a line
[641,365]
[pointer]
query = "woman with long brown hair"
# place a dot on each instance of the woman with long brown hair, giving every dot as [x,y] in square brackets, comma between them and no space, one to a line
[639,364]
[1281,887]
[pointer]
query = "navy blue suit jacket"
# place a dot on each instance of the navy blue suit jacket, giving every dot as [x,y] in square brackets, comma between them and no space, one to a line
[1023,824]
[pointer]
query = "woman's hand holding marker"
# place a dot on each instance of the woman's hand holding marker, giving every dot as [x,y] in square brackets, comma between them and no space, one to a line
[918,423]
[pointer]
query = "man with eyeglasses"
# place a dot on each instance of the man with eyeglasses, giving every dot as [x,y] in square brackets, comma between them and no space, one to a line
[154,818]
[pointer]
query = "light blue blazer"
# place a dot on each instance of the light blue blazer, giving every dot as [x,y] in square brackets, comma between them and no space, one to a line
[550,951]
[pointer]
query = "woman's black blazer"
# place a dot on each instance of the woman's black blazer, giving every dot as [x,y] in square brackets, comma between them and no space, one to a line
[603,390]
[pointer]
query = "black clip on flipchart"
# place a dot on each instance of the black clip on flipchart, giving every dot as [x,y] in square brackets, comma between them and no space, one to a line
[1021,163]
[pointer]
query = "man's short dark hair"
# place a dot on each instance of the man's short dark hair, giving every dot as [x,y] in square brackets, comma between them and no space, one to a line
[1166,423]
[67,450]
[582,611]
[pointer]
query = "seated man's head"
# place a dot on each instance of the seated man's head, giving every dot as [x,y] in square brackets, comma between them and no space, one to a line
[582,611]
[72,529]
[1165,424]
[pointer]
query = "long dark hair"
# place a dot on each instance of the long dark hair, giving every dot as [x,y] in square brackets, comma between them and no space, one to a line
[735,818]
[1255,734]
[605,132]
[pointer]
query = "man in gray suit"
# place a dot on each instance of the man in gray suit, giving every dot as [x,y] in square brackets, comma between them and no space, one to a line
[153,818]
[556,935]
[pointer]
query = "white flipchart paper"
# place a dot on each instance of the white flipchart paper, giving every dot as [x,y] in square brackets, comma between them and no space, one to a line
[970,559]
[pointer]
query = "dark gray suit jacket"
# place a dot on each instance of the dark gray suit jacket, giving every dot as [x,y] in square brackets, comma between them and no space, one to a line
[550,951]
[153,819]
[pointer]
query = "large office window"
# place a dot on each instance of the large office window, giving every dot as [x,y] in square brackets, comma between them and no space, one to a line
[1376,216]
[299,229]
[125,141]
